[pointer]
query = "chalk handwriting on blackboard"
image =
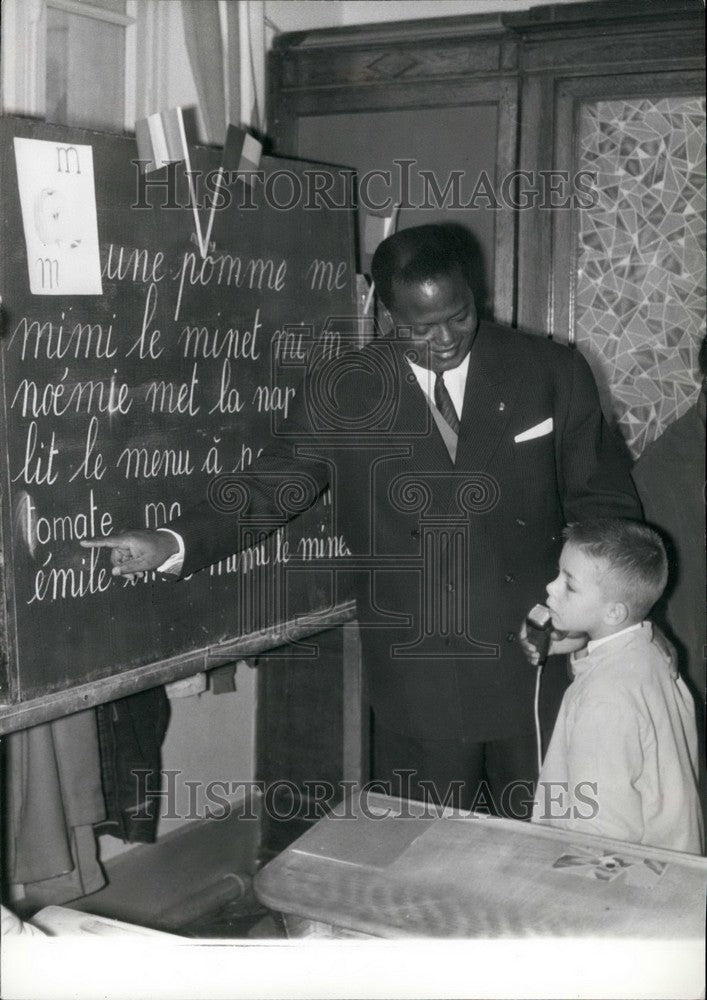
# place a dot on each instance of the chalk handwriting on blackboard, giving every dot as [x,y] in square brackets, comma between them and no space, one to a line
[323,274]
[54,399]
[38,462]
[134,372]
[109,396]
[260,274]
[201,342]
[134,265]
[51,341]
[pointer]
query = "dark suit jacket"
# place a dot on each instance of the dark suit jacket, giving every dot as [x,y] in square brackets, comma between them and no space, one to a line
[447,558]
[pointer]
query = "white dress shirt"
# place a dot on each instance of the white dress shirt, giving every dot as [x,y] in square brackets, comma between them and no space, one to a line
[454,380]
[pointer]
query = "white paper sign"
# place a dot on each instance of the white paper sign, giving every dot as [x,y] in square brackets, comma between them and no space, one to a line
[58,202]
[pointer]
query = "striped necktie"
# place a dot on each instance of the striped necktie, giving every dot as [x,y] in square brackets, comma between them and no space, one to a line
[443,402]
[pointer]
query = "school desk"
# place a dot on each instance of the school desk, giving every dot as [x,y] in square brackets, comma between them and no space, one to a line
[384,867]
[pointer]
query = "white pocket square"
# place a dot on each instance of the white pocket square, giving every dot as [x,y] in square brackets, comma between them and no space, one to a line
[540,430]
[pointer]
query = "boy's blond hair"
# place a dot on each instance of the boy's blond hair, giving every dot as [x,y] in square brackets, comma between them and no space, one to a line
[635,558]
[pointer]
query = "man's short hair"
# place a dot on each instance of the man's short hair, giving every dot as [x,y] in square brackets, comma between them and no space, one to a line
[637,565]
[419,254]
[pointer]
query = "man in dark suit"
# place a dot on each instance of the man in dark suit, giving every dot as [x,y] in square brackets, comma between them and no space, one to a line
[455,451]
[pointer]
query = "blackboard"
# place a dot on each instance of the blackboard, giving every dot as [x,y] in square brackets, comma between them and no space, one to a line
[118,407]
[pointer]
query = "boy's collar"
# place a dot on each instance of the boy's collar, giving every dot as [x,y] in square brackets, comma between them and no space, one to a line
[594,643]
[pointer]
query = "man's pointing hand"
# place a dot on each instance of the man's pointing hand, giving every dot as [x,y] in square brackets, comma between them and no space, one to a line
[136,551]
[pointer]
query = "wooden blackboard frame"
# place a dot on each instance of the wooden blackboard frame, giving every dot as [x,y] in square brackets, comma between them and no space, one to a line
[54,706]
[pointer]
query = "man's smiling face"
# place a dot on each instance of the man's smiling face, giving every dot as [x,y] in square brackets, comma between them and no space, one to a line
[441,316]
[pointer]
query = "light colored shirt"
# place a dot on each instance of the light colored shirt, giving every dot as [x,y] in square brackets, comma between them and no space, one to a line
[595,643]
[176,560]
[454,380]
[622,761]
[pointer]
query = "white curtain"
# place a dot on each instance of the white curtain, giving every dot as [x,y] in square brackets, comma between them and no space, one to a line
[225,41]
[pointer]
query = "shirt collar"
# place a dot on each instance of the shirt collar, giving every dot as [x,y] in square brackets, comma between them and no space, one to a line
[454,379]
[594,643]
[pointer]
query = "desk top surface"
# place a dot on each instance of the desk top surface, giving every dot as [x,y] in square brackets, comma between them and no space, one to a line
[391,868]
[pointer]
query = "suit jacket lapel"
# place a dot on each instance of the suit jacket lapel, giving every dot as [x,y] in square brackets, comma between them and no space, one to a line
[490,396]
[415,419]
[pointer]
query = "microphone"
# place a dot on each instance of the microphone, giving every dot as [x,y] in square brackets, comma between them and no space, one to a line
[538,627]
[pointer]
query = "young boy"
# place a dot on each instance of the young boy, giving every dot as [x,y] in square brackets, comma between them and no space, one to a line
[622,761]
